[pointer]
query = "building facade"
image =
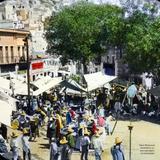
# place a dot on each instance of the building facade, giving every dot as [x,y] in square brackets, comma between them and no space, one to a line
[12,49]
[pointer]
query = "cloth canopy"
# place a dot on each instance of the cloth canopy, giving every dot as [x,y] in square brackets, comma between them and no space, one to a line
[72,87]
[96,80]
[5,85]
[6,112]
[19,87]
[8,99]
[22,89]
[71,84]
[108,86]
[45,84]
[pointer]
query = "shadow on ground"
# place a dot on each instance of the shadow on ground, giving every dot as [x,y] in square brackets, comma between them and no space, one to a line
[44,146]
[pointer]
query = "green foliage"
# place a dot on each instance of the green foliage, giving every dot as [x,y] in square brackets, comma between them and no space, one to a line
[81,32]
[76,78]
[137,41]
[142,40]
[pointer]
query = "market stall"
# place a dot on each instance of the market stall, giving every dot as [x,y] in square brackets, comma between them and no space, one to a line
[97,80]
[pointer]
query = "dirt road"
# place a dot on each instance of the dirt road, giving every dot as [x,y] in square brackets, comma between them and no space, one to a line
[145,142]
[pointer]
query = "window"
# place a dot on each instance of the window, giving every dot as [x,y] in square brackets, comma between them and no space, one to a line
[1,54]
[23,51]
[12,54]
[19,54]
[107,59]
[113,59]
[34,77]
[7,57]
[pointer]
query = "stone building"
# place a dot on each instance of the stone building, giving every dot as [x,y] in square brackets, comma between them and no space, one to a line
[12,49]
[27,15]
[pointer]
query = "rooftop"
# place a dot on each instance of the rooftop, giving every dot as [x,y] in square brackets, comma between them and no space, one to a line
[20,31]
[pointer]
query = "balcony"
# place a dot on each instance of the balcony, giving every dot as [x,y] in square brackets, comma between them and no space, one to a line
[12,60]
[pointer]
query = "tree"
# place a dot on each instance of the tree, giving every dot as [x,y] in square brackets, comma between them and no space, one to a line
[138,43]
[82,31]
[142,41]
[154,54]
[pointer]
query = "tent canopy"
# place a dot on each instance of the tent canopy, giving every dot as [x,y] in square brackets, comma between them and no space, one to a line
[19,87]
[71,84]
[45,84]
[72,87]
[8,99]
[96,80]
[5,114]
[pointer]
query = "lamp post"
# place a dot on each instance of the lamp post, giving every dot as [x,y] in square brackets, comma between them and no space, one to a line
[130,127]
[28,69]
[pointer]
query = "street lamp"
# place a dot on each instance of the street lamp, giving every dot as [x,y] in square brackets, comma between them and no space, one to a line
[130,127]
[28,68]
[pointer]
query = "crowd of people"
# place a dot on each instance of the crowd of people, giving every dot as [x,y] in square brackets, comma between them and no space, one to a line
[76,126]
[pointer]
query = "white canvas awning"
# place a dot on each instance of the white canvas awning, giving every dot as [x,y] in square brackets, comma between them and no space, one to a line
[5,85]
[72,87]
[96,80]
[5,114]
[19,87]
[45,84]
[8,99]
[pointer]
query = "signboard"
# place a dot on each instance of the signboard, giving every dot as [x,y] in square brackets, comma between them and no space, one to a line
[37,65]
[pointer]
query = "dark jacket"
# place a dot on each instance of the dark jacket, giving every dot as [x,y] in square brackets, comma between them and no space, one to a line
[65,152]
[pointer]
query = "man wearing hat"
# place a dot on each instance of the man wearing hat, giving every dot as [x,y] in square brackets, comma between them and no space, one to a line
[51,129]
[117,150]
[65,149]
[84,145]
[98,146]
[71,139]
[53,150]
[14,143]
[25,145]
[33,129]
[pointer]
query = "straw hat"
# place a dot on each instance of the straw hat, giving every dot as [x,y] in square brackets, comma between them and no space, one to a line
[32,120]
[25,131]
[118,140]
[100,130]
[15,124]
[70,130]
[57,116]
[23,113]
[91,118]
[51,119]
[14,135]
[86,117]
[63,140]
[64,110]
[97,134]
[38,109]
[86,132]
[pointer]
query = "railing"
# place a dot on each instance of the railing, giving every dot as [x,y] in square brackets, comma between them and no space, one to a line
[12,60]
